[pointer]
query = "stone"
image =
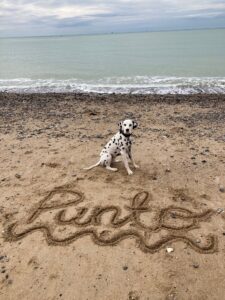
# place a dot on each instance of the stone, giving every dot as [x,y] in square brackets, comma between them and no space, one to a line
[220,210]
[222,189]
[169,250]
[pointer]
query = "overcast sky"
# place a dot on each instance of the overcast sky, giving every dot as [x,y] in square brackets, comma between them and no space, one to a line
[47,17]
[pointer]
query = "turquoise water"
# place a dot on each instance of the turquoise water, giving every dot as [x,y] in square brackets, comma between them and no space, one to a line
[154,62]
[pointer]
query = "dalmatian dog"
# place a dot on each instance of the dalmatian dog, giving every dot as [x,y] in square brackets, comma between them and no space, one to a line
[120,144]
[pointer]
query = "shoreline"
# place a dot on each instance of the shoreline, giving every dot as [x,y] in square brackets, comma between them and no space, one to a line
[121,85]
[115,96]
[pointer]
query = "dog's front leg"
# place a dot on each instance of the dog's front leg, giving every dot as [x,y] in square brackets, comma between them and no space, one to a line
[132,160]
[125,161]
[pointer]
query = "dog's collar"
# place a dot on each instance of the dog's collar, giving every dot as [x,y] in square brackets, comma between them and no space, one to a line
[126,135]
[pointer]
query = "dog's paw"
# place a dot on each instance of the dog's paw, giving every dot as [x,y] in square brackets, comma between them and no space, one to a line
[130,172]
[136,166]
[111,169]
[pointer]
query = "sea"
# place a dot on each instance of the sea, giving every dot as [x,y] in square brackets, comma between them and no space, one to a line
[166,62]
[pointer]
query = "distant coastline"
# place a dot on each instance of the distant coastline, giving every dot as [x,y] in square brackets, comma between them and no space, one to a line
[114,32]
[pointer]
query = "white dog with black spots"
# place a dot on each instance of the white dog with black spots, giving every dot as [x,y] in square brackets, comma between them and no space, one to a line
[120,144]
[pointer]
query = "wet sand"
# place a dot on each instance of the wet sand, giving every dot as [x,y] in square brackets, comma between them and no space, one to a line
[74,234]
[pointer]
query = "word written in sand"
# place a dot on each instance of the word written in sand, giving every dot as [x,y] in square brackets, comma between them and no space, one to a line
[170,224]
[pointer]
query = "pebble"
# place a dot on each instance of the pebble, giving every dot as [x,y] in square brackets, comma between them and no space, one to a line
[125,268]
[93,113]
[222,189]
[173,215]
[99,136]
[133,295]
[196,265]
[18,176]
[169,250]
[4,258]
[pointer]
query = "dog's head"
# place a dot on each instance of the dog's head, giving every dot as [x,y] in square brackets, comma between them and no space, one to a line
[127,126]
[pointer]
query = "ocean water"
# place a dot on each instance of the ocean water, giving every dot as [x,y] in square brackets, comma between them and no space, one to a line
[183,62]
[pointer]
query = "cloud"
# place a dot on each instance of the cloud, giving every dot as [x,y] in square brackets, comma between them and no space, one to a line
[24,17]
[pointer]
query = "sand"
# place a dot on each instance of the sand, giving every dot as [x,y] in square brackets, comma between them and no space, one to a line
[67,233]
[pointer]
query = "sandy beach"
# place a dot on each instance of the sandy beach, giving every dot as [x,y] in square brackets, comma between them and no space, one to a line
[68,234]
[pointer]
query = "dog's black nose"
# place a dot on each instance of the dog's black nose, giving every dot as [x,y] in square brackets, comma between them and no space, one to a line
[127,130]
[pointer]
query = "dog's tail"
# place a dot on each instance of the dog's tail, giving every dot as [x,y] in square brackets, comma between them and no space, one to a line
[91,167]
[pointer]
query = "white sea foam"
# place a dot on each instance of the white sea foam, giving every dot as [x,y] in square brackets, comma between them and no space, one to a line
[118,85]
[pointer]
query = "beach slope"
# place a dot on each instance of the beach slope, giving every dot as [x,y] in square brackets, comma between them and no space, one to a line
[67,233]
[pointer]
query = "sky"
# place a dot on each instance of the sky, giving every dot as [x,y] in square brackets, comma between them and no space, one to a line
[59,17]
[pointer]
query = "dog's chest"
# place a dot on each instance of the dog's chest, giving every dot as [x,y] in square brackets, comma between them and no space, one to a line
[118,143]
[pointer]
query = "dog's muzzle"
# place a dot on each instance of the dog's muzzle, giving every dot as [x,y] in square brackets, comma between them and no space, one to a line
[125,134]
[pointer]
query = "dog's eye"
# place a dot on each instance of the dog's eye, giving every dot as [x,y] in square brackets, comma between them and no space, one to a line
[130,125]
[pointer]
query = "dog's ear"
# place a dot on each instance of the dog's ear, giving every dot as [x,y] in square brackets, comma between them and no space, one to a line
[120,124]
[135,124]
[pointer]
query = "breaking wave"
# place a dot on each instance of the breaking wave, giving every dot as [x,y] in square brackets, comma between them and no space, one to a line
[118,85]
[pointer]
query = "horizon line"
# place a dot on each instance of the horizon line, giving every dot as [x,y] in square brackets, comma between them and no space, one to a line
[111,33]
